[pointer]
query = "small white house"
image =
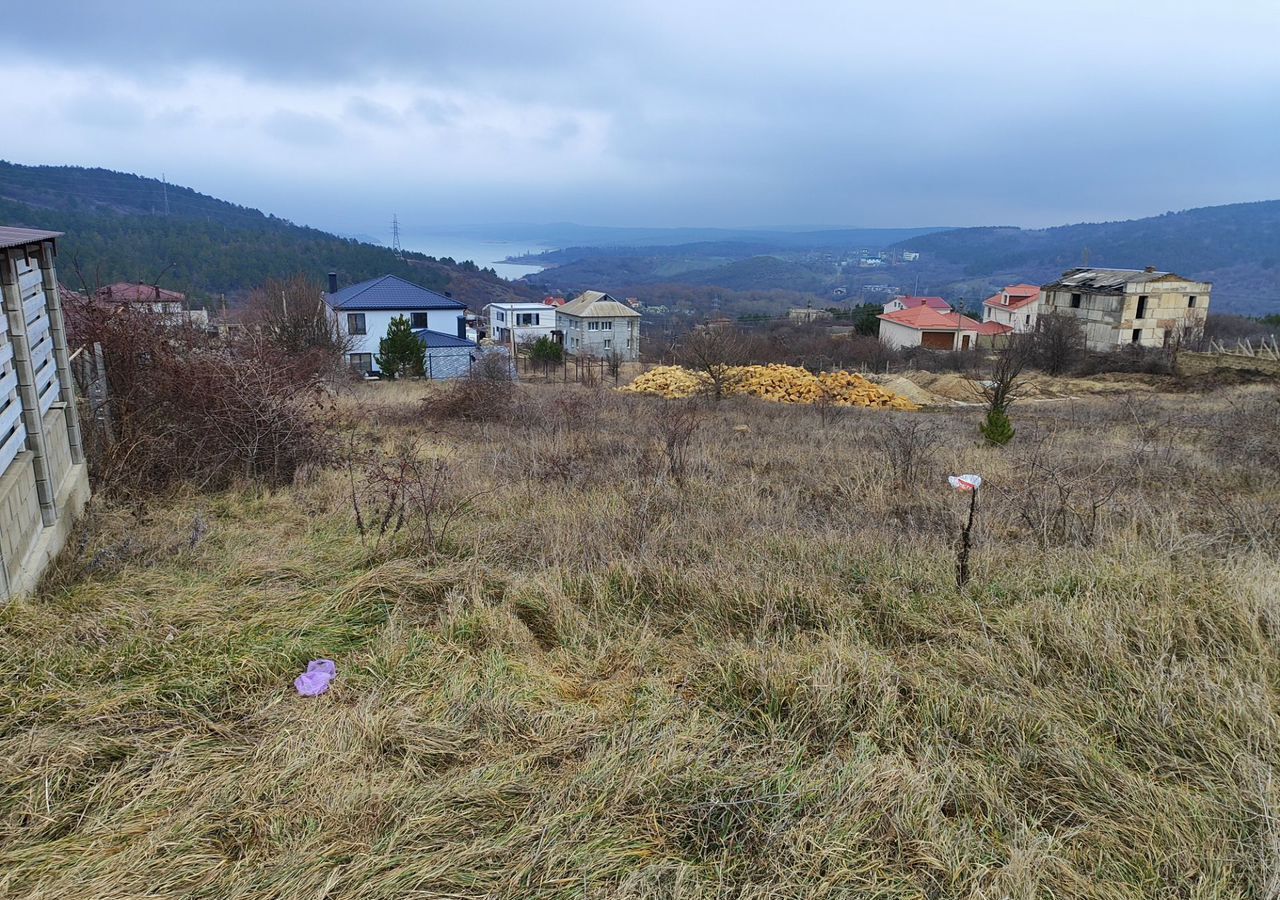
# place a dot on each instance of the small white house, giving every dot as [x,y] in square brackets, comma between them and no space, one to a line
[364,312]
[1016,306]
[525,321]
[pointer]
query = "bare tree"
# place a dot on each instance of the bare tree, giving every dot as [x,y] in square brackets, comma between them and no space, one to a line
[291,314]
[1000,386]
[1057,343]
[716,353]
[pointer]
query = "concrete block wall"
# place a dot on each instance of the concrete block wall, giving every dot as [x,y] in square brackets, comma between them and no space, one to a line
[46,486]
[58,445]
[20,522]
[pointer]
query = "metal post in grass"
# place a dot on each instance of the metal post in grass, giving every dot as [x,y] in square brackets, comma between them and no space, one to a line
[965,484]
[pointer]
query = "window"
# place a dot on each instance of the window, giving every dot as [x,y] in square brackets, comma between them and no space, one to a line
[1191,302]
[1075,301]
[500,315]
[1142,307]
[606,326]
[1028,319]
[1137,335]
[419,320]
[608,343]
[361,362]
[355,323]
[593,325]
[527,319]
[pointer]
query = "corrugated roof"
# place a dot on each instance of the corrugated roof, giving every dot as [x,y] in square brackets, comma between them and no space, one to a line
[390,292]
[21,237]
[1107,281]
[597,305]
[438,339]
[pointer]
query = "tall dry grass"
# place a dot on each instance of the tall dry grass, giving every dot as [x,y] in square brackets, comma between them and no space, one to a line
[755,679]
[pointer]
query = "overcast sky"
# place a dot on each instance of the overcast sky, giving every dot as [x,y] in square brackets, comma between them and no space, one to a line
[742,113]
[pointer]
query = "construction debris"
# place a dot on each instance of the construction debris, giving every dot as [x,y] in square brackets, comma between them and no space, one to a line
[780,384]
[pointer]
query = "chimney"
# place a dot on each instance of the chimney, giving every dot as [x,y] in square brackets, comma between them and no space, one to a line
[449,294]
[462,327]
[1149,269]
[333,282]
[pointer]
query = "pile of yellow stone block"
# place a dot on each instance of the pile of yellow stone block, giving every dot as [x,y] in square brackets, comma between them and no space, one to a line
[781,384]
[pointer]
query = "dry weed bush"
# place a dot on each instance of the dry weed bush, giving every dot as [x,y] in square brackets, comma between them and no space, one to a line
[186,408]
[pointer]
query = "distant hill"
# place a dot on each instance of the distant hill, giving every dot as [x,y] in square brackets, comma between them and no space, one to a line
[1236,246]
[122,227]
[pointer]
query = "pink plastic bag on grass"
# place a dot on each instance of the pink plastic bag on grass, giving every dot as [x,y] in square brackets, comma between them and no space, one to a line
[315,681]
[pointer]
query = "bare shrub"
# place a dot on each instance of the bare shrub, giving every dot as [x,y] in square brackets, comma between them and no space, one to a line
[907,444]
[676,424]
[404,492]
[486,394]
[1062,499]
[1057,343]
[290,314]
[1247,434]
[183,407]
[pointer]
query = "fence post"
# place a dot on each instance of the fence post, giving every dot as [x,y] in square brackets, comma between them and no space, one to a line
[58,332]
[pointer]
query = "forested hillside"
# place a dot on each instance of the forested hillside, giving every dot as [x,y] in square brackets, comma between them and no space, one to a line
[122,227]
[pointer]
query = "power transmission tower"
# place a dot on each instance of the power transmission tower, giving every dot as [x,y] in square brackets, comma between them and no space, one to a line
[395,235]
[164,189]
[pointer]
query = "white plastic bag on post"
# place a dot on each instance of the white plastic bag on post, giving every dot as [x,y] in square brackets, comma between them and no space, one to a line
[965,482]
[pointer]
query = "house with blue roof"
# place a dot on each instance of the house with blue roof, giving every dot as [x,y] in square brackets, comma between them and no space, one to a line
[363,313]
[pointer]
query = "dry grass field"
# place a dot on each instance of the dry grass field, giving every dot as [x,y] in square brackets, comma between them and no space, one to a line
[636,648]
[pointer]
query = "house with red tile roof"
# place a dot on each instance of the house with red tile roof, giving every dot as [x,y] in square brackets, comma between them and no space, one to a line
[169,306]
[897,304]
[1015,306]
[924,326]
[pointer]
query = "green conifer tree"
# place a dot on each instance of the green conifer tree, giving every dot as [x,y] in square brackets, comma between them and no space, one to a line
[997,429]
[400,352]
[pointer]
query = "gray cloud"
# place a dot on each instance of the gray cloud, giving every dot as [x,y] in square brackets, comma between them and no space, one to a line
[658,112]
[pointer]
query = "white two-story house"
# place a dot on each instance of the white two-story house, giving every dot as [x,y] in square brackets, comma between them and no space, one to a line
[525,321]
[1017,306]
[364,312]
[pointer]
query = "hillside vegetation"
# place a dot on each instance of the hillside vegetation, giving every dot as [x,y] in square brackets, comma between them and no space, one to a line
[673,650]
[117,229]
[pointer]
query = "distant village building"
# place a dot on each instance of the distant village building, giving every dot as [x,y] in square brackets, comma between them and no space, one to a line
[910,256]
[1016,306]
[363,313]
[897,304]
[925,326]
[1128,307]
[169,306]
[595,324]
[808,314]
